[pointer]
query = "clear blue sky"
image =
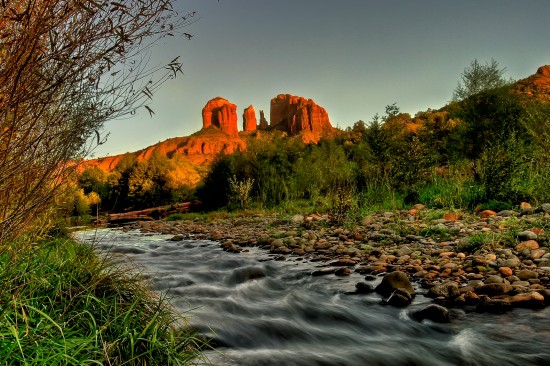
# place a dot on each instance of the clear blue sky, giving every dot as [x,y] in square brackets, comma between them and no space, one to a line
[352,57]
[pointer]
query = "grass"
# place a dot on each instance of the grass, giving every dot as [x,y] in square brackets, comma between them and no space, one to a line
[60,304]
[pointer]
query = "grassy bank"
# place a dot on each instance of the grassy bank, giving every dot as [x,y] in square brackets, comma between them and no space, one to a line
[62,304]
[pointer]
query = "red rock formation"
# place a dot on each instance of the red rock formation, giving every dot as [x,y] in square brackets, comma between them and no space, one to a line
[249,119]
[222,114]
[537,85]
[263,122]
[296,115]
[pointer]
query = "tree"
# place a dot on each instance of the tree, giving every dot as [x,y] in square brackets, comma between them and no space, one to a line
[477,78]
[66,67]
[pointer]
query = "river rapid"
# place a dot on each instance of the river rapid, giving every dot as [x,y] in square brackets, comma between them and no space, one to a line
[258,311]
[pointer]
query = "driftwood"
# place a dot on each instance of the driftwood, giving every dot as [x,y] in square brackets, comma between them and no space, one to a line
[151,213]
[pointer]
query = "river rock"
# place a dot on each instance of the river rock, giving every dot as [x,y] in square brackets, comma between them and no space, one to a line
[527,235]
[447,290]
[526,274]
[494,289]
[433,312]
[363,288]
[545,207]
[527,300]
[400,297]
[496,306]
[392,281]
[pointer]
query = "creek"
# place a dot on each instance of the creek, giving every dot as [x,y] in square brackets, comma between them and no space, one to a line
[258,311]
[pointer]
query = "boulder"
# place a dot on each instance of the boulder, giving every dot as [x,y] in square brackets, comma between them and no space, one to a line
[527,300]
[220,113]
[494,289]
[249,119]
[433,312]
[399,298]
[363,288]
[393,281]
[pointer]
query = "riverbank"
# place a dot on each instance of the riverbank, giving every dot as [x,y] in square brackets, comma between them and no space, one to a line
[62,304]
[485,261]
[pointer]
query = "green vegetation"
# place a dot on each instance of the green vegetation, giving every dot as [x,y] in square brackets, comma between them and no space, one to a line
[61,304]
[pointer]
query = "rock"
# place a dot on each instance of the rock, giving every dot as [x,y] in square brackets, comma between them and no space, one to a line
[487,213]
[545,207]
[451,217]
[529,245]
[494,279]
[393,281]
[527,235]
[367,220]
[343,262]
[512,263]
[524,205]
[277,243]
[433,312]
[496,306]
[419,207]
[505,271]
[400,297]
[447,290]
[177,238]
[220,113]
[506,213]
[404,250]
[526,274]
[297,219]
[323,272]
[295,115]
[263,122]
[249,119]
[527,300]
[363,288]
[493,289]
[342,271]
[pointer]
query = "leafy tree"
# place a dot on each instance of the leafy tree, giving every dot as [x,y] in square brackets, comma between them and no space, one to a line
[477,78]
[67,67]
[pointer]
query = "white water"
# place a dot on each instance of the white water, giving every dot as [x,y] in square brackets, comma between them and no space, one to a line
[259,311]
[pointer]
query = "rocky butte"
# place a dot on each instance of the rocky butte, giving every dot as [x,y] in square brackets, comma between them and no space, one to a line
[297,115]
[222,114]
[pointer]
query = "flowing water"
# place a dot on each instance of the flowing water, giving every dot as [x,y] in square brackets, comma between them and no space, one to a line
[261,311]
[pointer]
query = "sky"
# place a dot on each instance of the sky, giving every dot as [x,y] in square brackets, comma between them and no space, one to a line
[352,57]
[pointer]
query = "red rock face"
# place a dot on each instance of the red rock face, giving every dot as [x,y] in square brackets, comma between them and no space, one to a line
[537,85]
[249,119]
[263,122]
[222,114]
[295,115]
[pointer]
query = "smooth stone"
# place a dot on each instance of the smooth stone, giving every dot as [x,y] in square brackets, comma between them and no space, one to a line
[433,312]
[393,281]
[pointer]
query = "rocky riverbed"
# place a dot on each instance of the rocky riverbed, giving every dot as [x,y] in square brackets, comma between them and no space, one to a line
[486,261]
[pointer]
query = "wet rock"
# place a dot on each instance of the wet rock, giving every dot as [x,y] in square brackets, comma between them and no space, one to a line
[363,288]
[400,297]
[177,238]
[323,272]
[433,312]
[530,300]
[393,281]
[446,290]
[342,271]
[495,306]
[343,262]
[493,289]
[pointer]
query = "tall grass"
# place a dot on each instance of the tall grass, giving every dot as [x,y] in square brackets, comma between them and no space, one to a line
[60,304]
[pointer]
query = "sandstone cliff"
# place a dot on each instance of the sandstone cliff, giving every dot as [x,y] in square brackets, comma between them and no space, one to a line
[536,85]
[220,113]
[297,115]
[249,119]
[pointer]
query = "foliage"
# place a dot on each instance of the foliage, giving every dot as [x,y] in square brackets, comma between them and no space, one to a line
[67,67]
[240,190]
[477,78]
[61,304]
